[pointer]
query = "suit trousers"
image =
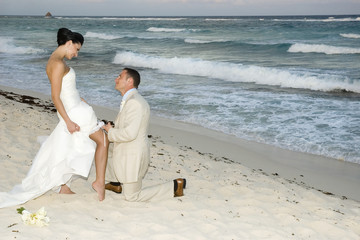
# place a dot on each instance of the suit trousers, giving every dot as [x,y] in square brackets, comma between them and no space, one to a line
[133,192]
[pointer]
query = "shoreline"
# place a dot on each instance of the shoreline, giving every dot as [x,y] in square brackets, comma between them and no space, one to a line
[327,175]
[223,199]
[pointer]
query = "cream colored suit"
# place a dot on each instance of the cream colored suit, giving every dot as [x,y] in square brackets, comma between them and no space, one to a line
[131,152]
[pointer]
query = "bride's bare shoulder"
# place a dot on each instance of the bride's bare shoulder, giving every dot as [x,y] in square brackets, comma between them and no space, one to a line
[56,66]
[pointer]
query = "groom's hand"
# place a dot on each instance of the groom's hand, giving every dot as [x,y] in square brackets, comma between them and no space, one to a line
[107,127]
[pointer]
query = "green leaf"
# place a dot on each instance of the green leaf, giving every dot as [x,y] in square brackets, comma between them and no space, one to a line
[20,210]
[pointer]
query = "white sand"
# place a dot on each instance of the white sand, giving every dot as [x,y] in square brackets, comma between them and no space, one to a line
[223,199]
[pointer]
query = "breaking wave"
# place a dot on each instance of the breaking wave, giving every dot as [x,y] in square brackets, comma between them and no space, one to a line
[350,35]
[239,72]
[102,36]
[7,46]
[321,48]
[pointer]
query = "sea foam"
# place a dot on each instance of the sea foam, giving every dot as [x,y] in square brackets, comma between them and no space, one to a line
[198,41]
[329,19]
[321,48]
[189,40]
[239,72]
[102,36]
[7,46]
[350,35]
[156,29]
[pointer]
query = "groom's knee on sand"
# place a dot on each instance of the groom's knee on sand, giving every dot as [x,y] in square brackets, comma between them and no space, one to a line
[131,191]
[132,197]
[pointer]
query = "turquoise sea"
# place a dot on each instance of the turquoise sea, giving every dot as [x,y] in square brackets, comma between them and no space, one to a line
[288,81]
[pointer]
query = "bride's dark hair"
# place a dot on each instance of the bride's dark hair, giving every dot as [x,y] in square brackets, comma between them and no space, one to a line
[65,35]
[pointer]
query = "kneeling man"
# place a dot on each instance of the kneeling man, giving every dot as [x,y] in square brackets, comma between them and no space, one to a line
[131,152]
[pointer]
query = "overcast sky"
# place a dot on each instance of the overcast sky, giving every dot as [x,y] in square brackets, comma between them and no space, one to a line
[178,7]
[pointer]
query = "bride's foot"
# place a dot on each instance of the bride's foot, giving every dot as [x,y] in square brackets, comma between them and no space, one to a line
[100,189]
[65,190]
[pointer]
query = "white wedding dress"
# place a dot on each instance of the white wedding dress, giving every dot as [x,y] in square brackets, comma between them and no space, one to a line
[62,156]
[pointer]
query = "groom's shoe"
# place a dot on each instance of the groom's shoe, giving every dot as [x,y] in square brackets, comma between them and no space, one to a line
[113,186]
[179,185]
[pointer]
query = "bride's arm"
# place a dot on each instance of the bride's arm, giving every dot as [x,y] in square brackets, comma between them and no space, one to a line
[55,76]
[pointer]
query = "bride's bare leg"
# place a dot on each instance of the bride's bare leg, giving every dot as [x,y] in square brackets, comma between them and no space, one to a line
[101,156]
[65,190]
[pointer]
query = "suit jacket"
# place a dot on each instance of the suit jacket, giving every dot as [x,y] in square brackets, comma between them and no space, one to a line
[131,152]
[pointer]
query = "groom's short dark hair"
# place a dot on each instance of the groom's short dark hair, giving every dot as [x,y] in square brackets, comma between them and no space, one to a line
[134,75]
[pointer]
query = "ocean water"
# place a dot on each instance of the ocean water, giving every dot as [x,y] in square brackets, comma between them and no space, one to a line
[292,82]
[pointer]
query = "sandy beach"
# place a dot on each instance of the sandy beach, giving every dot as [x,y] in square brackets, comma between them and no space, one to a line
[236,189]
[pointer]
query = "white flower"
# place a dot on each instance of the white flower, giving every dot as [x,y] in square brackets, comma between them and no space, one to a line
[39,218]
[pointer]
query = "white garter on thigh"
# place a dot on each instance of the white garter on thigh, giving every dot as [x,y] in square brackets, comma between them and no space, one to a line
[96,128]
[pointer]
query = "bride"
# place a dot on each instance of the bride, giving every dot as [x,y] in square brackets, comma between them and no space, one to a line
[69,151]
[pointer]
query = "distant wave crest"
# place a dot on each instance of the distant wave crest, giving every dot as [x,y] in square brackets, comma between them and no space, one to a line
[189,40]
[198,41]
[329,19]
[144,18]
[350,35]
[321,48]
[101,36]
[126,18]
[156,29]
[238,72]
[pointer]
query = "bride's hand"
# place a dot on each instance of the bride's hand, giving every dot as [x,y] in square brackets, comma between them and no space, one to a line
[72,127]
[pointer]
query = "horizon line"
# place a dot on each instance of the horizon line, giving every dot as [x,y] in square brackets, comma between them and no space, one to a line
[161,16]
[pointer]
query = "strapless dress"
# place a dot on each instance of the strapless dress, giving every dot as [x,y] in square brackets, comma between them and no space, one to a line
[62,156]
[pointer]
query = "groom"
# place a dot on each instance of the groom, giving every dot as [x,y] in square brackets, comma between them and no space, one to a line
[131,153]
